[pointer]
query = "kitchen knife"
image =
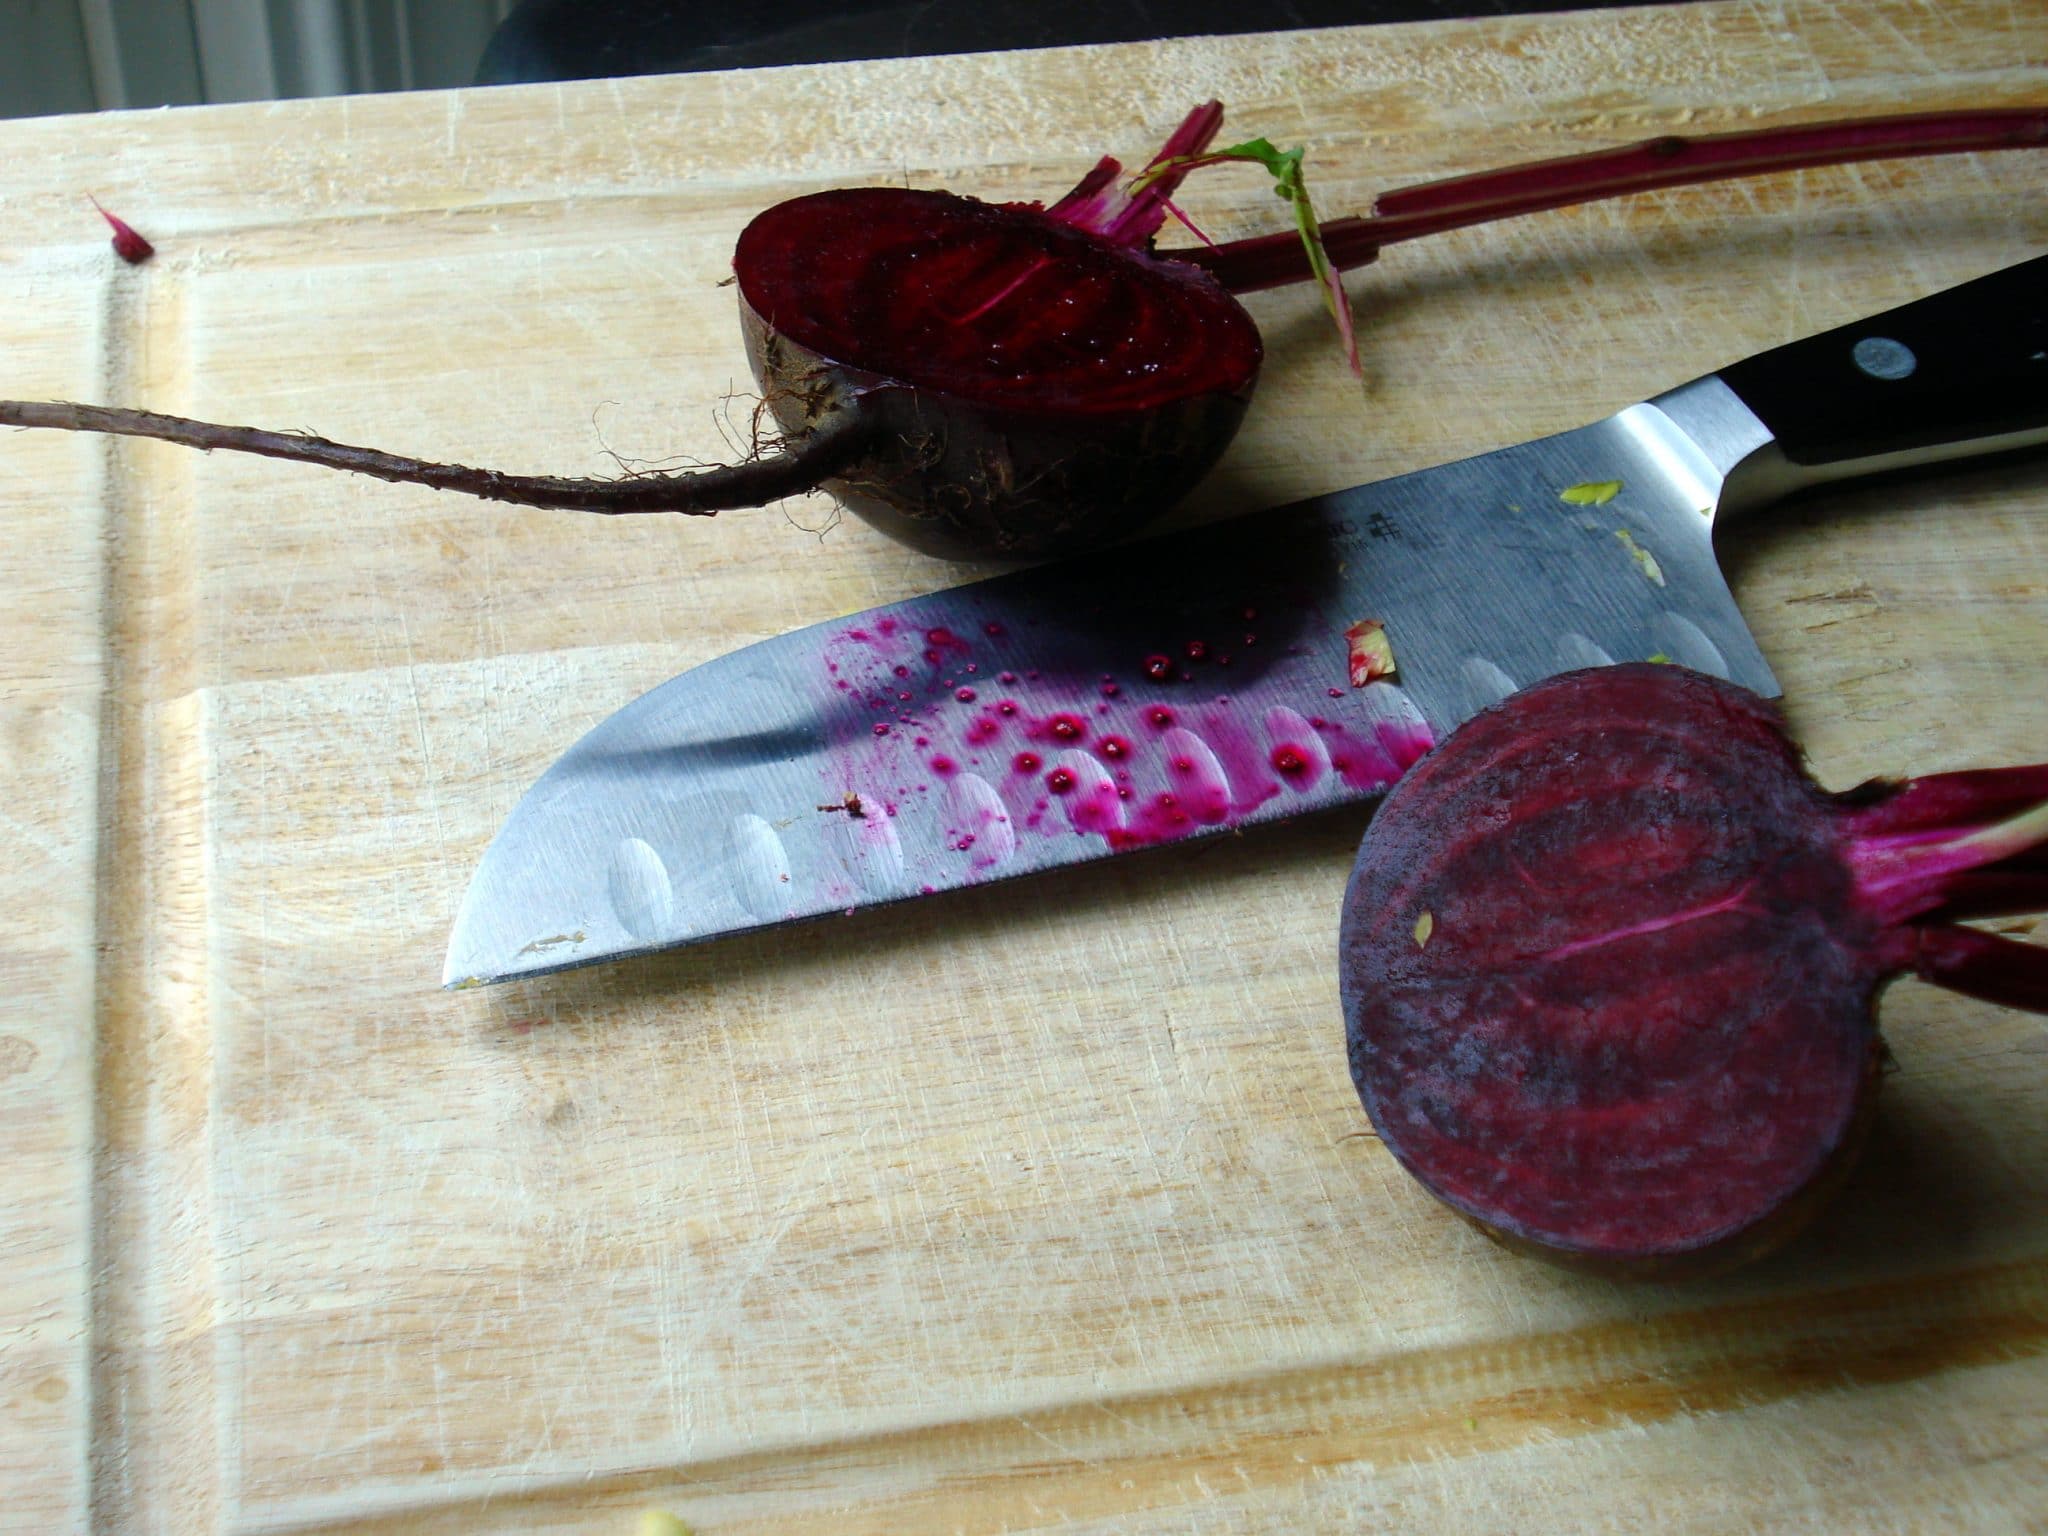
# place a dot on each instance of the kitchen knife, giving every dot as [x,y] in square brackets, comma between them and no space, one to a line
[1205,681]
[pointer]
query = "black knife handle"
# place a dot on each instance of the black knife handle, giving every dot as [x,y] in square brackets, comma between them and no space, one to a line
[1963,366]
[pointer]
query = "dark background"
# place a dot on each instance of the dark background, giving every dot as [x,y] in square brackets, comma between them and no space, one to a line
[581,39]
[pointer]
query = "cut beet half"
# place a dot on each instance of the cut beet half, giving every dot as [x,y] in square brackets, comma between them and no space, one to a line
[1030,386]
[1610,962]
[1009,381]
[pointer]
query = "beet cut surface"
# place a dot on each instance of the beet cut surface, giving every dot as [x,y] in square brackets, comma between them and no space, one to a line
[1610,961]
[1031,387]
[996,306]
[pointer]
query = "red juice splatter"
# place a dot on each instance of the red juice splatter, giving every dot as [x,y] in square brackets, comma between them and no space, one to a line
[1201,787]
[1298,755]
[1066,727]
[1115,748]
[1027,762]
[1092,804]
[1007,707]
[965,695]
[1060,781]
[944,766]
[1159,668]
[1195,650]
[983,728]
[1159,717]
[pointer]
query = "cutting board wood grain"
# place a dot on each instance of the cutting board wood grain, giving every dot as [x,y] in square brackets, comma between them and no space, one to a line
[1045,1206]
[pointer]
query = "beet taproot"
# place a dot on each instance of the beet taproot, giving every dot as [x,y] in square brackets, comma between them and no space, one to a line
[983,380]
[1610,962]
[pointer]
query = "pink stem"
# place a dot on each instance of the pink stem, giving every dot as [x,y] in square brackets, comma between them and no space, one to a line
[1979,964]
[1271,261]
[1124,218]
[1906,873]
[1935,804]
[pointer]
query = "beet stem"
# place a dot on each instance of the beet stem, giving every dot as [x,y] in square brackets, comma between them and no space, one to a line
[1271,261]
[1982,965]
[1903,879]
[831,444]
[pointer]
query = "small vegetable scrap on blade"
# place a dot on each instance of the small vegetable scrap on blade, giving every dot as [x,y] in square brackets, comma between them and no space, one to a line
[1370,653]
[1610,962]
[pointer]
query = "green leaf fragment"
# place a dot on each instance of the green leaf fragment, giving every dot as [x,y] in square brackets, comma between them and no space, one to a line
[1590,493]
[1641,556]
[1285,167]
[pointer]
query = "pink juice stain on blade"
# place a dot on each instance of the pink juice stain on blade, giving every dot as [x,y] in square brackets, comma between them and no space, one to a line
[1112,759]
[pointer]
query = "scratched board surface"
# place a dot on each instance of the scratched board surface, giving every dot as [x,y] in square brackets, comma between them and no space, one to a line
[1045,1206]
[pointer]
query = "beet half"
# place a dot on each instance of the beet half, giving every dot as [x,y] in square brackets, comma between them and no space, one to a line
[1610,962]
[1012,381]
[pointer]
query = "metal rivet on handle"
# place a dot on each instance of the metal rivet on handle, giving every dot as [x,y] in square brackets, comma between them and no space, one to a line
[1883,358]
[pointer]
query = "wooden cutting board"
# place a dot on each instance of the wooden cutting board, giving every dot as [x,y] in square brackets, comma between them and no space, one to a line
[1042,1206]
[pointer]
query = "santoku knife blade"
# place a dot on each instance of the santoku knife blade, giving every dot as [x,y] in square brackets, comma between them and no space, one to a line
[1212,680]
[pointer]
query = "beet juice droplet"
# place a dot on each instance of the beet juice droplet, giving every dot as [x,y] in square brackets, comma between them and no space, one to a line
[1289,761]
[965,695]
[1159,668]
[1159,717]
[1027,762]
[1115,748]
[1060,781]
[1065,727]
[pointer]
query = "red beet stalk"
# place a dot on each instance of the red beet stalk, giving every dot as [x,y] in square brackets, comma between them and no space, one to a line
[1672,160]
[1610,962]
